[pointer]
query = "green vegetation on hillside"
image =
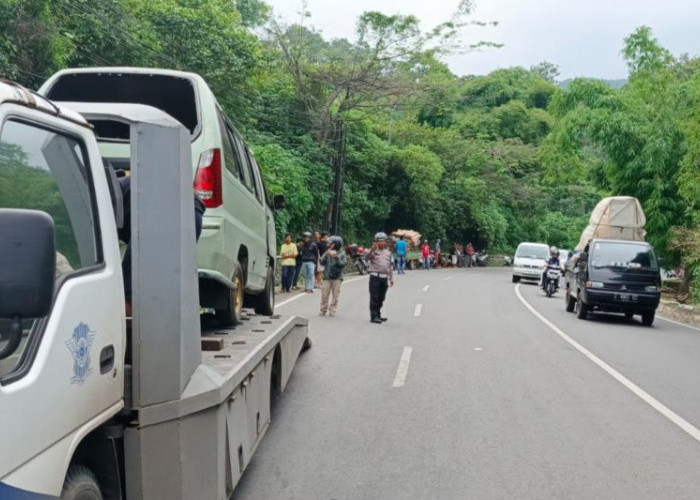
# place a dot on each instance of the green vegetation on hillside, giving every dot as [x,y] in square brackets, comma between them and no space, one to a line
[492,159]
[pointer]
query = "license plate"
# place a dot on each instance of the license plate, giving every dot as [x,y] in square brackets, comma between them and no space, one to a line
[629,297]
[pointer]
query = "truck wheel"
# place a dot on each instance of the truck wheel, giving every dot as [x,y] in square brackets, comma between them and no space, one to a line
[265,302]
[570,301]
[648,318]
[80,484]
[231,313]
[516,278]
[581,309]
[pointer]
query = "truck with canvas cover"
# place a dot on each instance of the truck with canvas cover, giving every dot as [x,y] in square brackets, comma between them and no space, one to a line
[94,404]
[616,270]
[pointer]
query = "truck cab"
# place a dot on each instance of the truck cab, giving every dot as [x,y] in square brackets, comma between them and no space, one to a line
[618,276]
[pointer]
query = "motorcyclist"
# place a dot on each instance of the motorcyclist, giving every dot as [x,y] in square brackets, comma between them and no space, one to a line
[553,261]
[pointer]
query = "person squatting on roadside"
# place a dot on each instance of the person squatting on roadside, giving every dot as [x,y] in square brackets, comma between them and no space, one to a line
[552,261]
[288,254]
[309,258]
[381,276]
[333,261]
[401,256]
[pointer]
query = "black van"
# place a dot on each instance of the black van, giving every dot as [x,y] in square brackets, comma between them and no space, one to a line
[614,276]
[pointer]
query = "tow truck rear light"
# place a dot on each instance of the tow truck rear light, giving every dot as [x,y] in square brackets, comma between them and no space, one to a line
[207,180]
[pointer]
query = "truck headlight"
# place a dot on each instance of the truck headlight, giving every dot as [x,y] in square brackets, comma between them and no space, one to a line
[651,288]
[594,284]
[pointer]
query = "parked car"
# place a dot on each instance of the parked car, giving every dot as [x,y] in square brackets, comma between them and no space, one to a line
[237,248]
[614,276]
[529,261]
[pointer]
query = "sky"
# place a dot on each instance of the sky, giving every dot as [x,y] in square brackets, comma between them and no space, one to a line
[583,38]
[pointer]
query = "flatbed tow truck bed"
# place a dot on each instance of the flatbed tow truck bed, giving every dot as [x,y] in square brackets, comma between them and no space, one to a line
[228,395]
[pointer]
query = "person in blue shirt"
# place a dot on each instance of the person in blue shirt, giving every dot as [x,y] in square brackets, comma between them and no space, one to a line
[401,256]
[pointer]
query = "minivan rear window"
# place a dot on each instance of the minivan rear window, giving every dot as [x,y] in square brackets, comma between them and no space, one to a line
[172,94]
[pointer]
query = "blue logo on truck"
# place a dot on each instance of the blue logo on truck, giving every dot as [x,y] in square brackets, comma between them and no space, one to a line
[79,346]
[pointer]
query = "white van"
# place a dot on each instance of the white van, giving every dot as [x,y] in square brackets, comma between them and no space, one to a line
[529,261]
[237,248]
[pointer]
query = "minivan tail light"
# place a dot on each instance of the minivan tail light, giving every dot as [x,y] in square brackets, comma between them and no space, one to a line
[207,180]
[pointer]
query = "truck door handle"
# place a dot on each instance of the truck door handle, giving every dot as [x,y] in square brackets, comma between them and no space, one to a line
[106,359]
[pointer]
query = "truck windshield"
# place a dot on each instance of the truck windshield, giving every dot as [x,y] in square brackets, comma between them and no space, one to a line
[627,255]
[533,252]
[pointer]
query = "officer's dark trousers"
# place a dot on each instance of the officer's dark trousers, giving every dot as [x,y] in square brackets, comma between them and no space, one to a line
[377,294]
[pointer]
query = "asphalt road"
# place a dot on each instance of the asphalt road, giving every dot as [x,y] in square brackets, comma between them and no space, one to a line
[467,393]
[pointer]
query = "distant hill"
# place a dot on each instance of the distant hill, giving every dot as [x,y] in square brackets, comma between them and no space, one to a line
[616,84]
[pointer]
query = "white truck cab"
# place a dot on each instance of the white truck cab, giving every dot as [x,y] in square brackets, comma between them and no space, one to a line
[93,405]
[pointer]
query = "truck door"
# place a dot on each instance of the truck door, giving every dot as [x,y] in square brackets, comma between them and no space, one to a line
[66,377]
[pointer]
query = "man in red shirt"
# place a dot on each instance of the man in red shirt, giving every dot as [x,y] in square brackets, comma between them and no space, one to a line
[425,255]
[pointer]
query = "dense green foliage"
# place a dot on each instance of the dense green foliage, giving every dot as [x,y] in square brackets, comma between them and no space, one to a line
[492,159]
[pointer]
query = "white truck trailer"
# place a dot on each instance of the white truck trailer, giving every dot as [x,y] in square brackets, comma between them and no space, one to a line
[93,404]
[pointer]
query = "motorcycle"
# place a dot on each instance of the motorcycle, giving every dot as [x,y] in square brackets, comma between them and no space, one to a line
[551,280]
[481,259]
[357,255]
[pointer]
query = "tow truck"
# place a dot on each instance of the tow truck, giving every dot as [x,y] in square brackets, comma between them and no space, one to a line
[95,404]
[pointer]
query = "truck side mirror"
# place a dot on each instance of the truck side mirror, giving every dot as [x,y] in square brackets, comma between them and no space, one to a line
[27,269]
[278,202]
[27,263]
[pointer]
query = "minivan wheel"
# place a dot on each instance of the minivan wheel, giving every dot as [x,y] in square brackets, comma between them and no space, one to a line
[265,302]
[231,314]
[648,318]
[581,308]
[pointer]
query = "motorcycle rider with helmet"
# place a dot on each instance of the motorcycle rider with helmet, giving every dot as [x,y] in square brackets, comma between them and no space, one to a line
[381,276]
[551,262]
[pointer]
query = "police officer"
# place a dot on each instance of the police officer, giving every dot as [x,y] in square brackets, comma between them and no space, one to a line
[381,276]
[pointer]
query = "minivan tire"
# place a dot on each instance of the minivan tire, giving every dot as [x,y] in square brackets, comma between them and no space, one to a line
[231,314]
[581,309]
[265,302]
[80,484]
[648,317]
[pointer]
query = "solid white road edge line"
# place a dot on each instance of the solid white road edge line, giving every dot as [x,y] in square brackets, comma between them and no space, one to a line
[302,294]
[678,323]
[638,391]
[402,370]
[426,288]
[418,309]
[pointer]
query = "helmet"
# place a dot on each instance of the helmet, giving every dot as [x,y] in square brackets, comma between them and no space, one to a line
[307,234]
[335,240]
[554,251]
[380,236]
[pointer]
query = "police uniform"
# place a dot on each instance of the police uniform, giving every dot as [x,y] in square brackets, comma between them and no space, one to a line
[380,275]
